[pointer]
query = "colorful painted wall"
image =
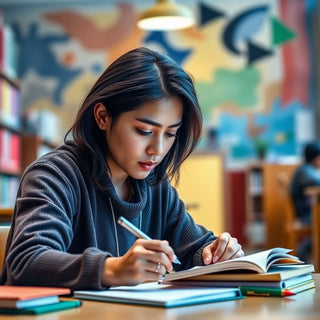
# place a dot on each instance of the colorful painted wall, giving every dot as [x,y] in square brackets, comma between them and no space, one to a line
[251,60]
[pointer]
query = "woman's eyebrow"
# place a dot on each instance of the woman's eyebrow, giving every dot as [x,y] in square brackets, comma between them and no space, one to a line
[156,124]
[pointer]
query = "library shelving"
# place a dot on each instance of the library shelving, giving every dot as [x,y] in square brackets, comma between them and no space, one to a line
[10,121]
[10,142]
[265,216]
[255,219]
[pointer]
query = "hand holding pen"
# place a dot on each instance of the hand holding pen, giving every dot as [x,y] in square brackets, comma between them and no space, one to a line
[138,233]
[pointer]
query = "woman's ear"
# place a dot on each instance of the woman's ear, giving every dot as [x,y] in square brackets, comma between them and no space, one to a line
[101,116]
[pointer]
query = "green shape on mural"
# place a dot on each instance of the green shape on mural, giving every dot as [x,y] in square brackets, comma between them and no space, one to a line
[280,32]
[238,88]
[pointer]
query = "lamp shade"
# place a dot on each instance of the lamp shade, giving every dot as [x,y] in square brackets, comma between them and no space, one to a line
[166,15]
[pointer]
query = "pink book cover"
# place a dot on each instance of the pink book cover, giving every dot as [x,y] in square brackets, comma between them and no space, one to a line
[27,293]
[15,153]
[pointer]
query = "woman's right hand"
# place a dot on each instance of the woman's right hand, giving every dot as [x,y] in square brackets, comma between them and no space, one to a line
[146,260]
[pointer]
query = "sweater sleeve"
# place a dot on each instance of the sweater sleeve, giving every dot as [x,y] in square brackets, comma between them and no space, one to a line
[42,233]
[186,237]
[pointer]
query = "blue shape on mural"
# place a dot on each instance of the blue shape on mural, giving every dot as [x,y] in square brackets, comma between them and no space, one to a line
[37,55]
[256,52]
[282,124]
[233,135]
[97,68]
[280,136]
[177,55]
[209,14]
[242,28]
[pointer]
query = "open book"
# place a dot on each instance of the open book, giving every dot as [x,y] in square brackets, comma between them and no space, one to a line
[257,263]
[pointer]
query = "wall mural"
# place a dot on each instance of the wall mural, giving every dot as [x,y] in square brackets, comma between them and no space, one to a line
[250,61]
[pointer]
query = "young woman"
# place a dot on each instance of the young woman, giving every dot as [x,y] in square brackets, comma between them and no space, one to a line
[139,122]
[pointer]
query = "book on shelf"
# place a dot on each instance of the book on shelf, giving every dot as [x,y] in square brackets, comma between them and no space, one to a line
[9,105]
[154,294]
[8,190]
[248,267]
[10,144]
[8,50]
[19,297]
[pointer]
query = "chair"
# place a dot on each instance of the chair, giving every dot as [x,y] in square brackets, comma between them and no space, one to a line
[4,231]
[294,229]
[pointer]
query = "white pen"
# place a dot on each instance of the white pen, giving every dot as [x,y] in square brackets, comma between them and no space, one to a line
[137,232]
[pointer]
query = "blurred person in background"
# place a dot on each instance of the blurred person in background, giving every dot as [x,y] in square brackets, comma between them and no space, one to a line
[305,176]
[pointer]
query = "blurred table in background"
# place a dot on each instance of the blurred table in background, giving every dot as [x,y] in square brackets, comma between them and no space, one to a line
[314,193]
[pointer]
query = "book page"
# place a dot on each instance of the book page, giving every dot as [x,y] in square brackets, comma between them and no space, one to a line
[258,262]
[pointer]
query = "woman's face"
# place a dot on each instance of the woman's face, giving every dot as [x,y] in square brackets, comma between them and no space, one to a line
[140,139]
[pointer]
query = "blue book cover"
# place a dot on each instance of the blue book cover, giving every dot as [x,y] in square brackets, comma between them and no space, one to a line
[167,296]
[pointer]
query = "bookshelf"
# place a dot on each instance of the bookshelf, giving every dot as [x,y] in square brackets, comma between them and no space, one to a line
[255,219]
[265,215]
[10,142]
[10,122]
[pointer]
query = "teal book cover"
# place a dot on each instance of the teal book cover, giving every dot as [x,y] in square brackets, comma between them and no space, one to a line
[62,305]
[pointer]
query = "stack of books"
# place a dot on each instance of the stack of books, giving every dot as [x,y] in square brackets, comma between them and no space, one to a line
[272,272]
[34,300]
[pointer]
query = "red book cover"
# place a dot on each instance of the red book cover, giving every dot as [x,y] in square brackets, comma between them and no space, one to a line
[25,293]
[22,297]
[5,149]
[15,153]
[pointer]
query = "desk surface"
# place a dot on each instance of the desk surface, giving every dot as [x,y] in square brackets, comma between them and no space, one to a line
[305,305]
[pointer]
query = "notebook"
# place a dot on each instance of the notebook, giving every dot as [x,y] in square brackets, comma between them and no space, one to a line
[167,296]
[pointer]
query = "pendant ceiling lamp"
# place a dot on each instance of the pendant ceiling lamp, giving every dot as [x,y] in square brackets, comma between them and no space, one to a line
[166,15]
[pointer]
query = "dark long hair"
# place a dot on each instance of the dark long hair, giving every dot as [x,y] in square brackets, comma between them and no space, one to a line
[136,77]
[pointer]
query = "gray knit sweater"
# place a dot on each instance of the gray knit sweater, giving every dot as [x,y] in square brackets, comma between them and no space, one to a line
[63,228]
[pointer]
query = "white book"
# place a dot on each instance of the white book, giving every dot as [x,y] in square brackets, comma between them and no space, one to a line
[281,284]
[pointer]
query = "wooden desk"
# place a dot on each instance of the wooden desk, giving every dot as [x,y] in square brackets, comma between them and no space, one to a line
[314,193]
[5,215]
[305,305]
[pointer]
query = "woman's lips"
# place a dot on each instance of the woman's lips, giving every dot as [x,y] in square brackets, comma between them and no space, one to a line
[147,165]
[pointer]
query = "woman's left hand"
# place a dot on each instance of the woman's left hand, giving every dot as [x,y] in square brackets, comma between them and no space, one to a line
[223,248]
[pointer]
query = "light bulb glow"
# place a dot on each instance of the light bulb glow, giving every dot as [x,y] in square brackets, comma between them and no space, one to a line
[165,23]
[166,15]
